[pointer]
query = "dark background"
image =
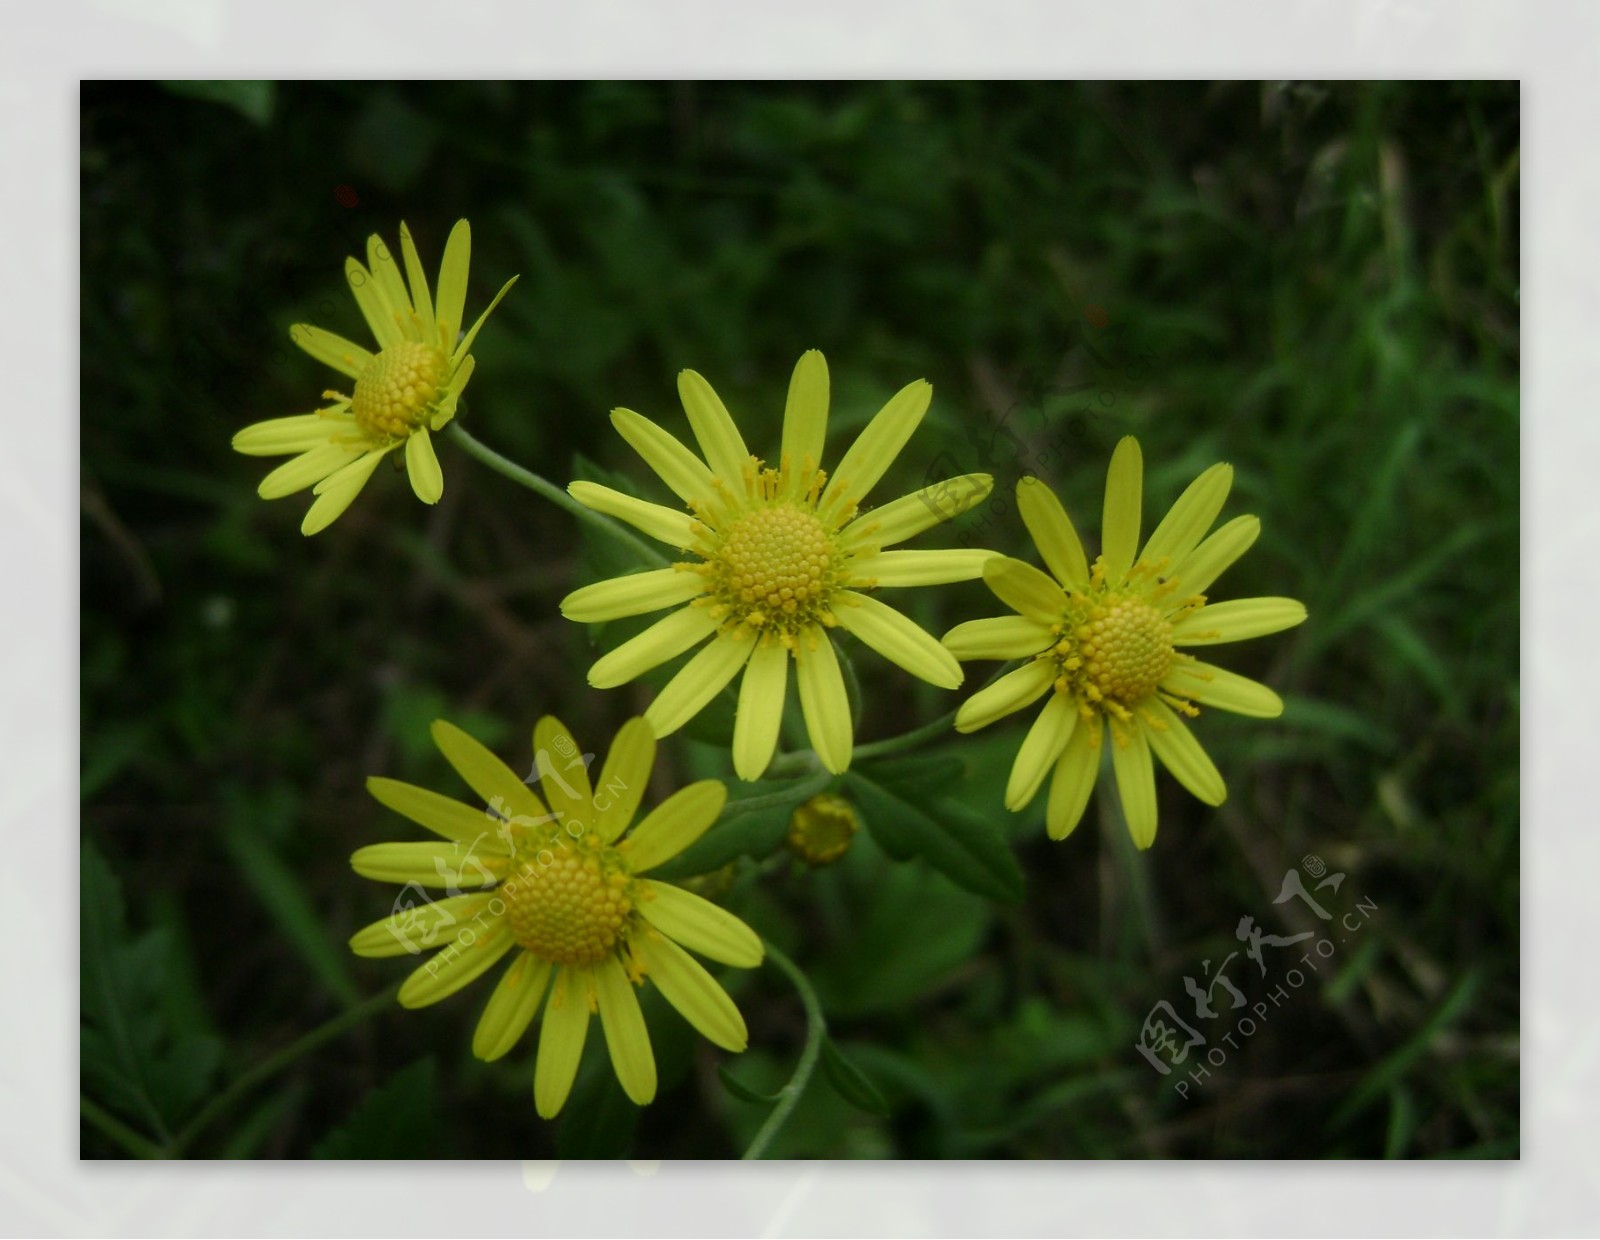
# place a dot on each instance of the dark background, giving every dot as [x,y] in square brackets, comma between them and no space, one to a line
[1316,282]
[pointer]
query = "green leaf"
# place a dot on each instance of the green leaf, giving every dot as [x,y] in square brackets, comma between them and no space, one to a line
[399,1119]
[957,842]
[757,834]
[743,1092]
[132,1057]
[921,775]
[851,1082]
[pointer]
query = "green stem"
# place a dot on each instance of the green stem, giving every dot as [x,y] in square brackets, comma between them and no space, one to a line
[550,491]
[270,1068]
[792,795]
[118,1132]
[816,1030]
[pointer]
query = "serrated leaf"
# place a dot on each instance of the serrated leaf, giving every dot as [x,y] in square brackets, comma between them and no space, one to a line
[743,1092]
[851,1083]
[962,846]
[399,1119]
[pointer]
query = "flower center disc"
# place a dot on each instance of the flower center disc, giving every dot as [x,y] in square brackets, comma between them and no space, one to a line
[775,567]
[394,392]
[567,906]
[1122,647]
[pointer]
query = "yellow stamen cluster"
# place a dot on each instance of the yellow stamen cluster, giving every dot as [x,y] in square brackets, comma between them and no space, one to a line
[397,389]
[821,829]
[772,564]
[570,902]
[1113,650]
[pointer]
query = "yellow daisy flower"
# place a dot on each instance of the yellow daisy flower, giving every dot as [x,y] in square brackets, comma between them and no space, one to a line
[780,557]
[564,894]
[402,393]
[1103,642]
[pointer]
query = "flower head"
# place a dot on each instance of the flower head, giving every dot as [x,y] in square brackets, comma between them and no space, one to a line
[1105,643]
[779,555]
[402,393]
[555,884]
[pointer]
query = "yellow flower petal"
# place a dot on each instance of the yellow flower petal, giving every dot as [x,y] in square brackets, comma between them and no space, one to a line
[898,639]
[331,349]
[412,929]
[440,814]
[1190,517]
[1000,637]
[918,568]
[1076,771]
[686,985]
[375,308]
[1053,533]
[714,430]
[465,347]
[500,787]
[1025,589]
[308,469]
[698,681]
[805,417]
[1043,745]
[626,1036]
[666,639]
[1216,555]
[673,463]
[823,700]
[1181,753]
[623,778]
[674,824]
[422,464]
[336,492]
[1119,525]
[421,299]
[760,712]
[391,288]
[1013,691]
[452,301]
[561,1038]
[700,925]
[1237,620]
[563,774]
[470,953]
[875,449]
[633,595]
[511,1007]
[909,515]
[430,864]
[1215,686]
[1136,785]
[666,525]
[299,433]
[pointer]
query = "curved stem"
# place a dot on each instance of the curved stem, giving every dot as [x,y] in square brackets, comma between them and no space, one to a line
[550,491]
[816,1030]
[269,1068]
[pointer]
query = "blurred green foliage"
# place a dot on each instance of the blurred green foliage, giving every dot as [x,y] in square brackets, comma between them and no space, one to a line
[1315,282]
